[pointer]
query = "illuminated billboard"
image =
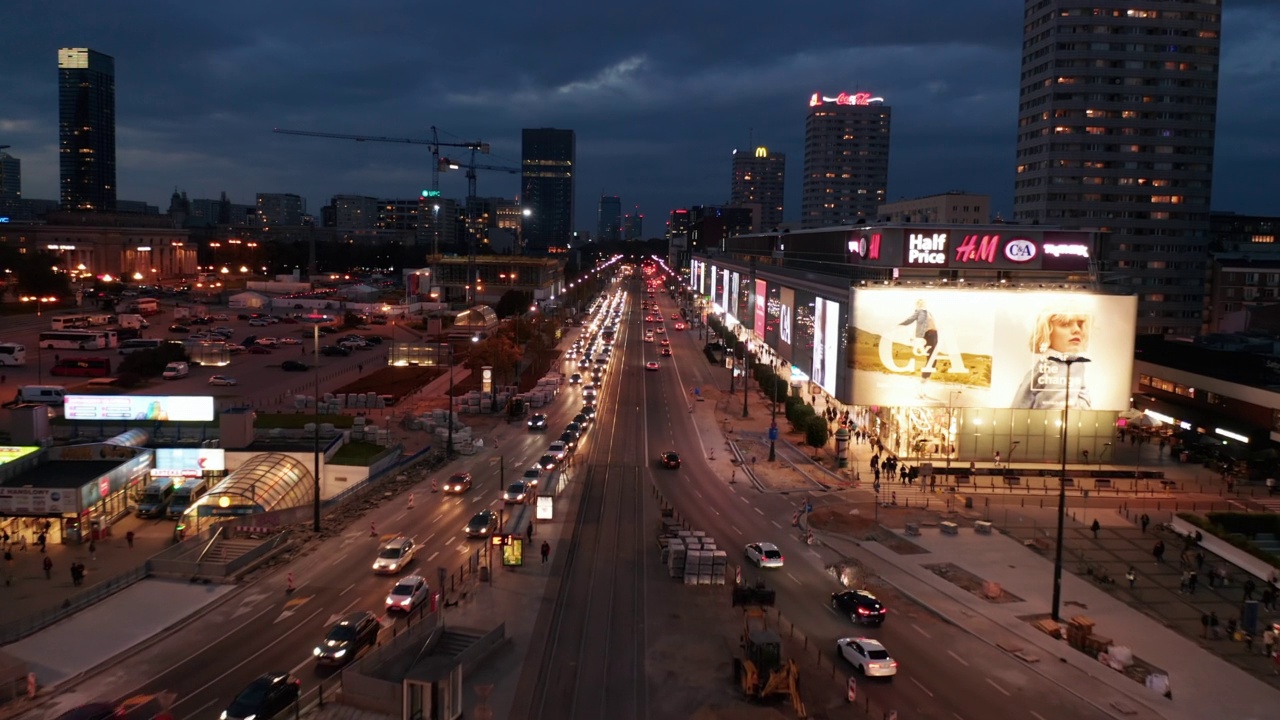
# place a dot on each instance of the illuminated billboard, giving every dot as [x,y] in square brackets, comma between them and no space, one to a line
[9,453]
[758,322]
[188,462]
[992,348]
[159,408]
[786,306]
[826,336]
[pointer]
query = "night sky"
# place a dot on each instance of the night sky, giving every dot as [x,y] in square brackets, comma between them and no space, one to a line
[659,93]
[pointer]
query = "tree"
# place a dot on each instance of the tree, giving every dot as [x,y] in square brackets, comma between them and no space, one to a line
[497,351]
[816,433]
[513,302]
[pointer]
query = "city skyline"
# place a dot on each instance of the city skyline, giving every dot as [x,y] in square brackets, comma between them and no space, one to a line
[657,115]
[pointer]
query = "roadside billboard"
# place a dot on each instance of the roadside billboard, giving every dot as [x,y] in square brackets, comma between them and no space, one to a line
[826,338]
[992,348]
[188,462]
[158,408]
[758,322]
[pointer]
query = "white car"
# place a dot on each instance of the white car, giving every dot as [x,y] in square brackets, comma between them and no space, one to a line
[651,365]
[258,322]
[223,380]
[394,556]
[290,341]
[408,593]
[648,337]
[268,341]
[222,317]
[516,493]
[558,450]
[764,555]
[867,655]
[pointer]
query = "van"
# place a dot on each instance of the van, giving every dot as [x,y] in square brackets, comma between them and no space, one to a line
[47,394]
[176,370]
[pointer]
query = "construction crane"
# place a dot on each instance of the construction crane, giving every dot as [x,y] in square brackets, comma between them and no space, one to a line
[434,143]
[471,168]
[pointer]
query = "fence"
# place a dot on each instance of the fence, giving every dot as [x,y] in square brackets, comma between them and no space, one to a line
[14,631]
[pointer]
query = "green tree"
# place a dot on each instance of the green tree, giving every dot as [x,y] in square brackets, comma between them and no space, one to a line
[497,351]
[816,433]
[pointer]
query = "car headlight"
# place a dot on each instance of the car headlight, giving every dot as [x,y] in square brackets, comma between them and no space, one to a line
[223,716]
[317,652]
[340,653]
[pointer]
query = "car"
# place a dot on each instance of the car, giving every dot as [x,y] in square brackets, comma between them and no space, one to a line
[244,316]
[347,638]
[675,316]
[589,393]
[372,339]
[353,344]
[665,342]
[575,379]
[670,459]
[558,450]
[222,380]
[294,366]
[290,341]
[861,607]
[568,440]
[268,342]
[259,350]
[334,351]
[235,349]
[258,322]
[601,361]
[267,697]
[679,326]
[516,492]
[328,330]
[651,365]
[482,524]
[408,592]
[660,330]
[458,482]
[764,555]
[582,419]
[666,352]
[584,363]
[538,422]
[533,476]
[179,329]
[548,462]
[648,337]
[221,317]
[394,556]
[868,656]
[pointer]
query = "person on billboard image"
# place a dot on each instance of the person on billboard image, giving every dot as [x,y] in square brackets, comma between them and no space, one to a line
[926,338]
[154,411]
[1058,335]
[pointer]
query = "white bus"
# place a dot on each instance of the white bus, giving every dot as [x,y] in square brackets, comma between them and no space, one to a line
[128,347]
[72,340]
[76,322]
[12,355]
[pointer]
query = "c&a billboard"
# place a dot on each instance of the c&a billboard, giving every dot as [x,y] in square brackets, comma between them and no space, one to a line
[992,348]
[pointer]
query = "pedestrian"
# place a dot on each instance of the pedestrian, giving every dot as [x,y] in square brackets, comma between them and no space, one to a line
[1145,520]
[1269,640]
[1193,579]
[1213,625]
[997,458]
[48,568]
[1199,560]
[93,549]
[75,574]
[360,368]
[1131,576]
[1204,625]
[529,532]
[1269,599]
[546,551]
[40,540]
[22,542]
[128,537]
[1184,582]
[1158,551]
[1095,527]
[1249,587]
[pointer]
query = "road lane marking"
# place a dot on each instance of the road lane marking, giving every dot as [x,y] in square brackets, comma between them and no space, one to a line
[775,524]
[1038,715]
[439,517]
[344,592]
[695,492]
[962,661]
[922,687]
[922,632]
[743,499]
[736,531]
[759,511]
[246,661]
[793,577]
[994,685]
[424,542]
[434,554]
[477,498]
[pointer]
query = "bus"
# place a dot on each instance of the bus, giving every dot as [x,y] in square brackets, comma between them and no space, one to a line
[79,322]
[13,355]
[144,306]
[109,338]
[155,499]
[129,347]
[185,494]
[82,367]
[71,340]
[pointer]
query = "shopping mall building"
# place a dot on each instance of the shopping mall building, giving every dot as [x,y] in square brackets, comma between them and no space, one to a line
[965,337]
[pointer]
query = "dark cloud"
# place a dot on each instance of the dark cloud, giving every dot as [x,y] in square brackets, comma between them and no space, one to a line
[660,93]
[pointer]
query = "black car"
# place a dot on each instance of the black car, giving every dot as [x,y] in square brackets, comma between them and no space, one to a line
[347,639]
[547,462]
[860,606]
[459,482]
[670,459]
[372,339]
[569,439]
[179,329]
[582,419]
[482,524]
[328,330]
[264,698]
[589,411]
[334,351]
[294,366]
[574,428]
[538,422]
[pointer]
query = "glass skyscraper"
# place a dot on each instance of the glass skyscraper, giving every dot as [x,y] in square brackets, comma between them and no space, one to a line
[87,130]
[547,175]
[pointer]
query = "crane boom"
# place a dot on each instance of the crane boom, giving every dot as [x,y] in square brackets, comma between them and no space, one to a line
[471,168]
[434,143]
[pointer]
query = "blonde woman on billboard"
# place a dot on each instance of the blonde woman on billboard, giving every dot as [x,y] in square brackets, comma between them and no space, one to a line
[1057,335]
[926,338]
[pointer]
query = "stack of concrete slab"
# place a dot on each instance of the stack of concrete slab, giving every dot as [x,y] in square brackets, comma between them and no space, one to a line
[676,557]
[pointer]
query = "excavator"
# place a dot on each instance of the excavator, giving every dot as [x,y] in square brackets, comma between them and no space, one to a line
[761,670]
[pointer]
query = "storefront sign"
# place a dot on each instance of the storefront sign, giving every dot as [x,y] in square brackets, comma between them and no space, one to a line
[1058,250]
[35,501]
[96,451]
[927,249]
[867,248]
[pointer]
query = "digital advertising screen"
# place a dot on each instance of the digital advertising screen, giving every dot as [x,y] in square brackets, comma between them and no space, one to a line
[188,462]
[826,336]
[9,453]
[786,306]
[992,348]
[724,290]
[734,307]
[157,408]
[758,322]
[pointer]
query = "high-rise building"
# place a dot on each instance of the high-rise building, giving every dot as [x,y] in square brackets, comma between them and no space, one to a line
[609,223]
[547,161]
[87,129]
[10,177]
[633,226]
[949,208]
[846,159]
[759,178]
[1116,121]
[679,223]
[280,210]
[355,212]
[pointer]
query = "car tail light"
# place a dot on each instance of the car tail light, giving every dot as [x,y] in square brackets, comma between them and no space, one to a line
[863,611]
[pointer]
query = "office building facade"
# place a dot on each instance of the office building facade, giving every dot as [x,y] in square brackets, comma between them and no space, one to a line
[1116,122]
[10,177]
[609,219]
[547,176]
[846,159]
[759,178]
[86,130]
[280,210]
[949,208]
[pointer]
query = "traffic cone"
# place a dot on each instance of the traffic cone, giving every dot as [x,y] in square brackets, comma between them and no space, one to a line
[410,501]
[289,587]
[433,486]
[373,530]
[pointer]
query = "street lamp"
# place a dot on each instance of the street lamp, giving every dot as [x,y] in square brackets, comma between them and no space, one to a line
[746,377]
[315,421]
[773,419]
[948,445]
[449,446]
[1062,485]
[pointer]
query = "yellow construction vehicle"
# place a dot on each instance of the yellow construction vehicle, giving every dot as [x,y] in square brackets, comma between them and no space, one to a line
[761,670]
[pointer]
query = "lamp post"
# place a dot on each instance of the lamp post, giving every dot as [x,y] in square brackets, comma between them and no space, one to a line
[773,419]
[1062,487]
[746,377]
[449,446]
[315,509]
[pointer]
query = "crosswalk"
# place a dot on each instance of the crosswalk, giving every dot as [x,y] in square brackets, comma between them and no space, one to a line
[1271,503]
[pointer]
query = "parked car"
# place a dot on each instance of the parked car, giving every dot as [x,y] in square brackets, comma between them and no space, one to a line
[294,366]
[222,380]
[259,350]
[267,697]
[347,638]
[179,329]
[334,351]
